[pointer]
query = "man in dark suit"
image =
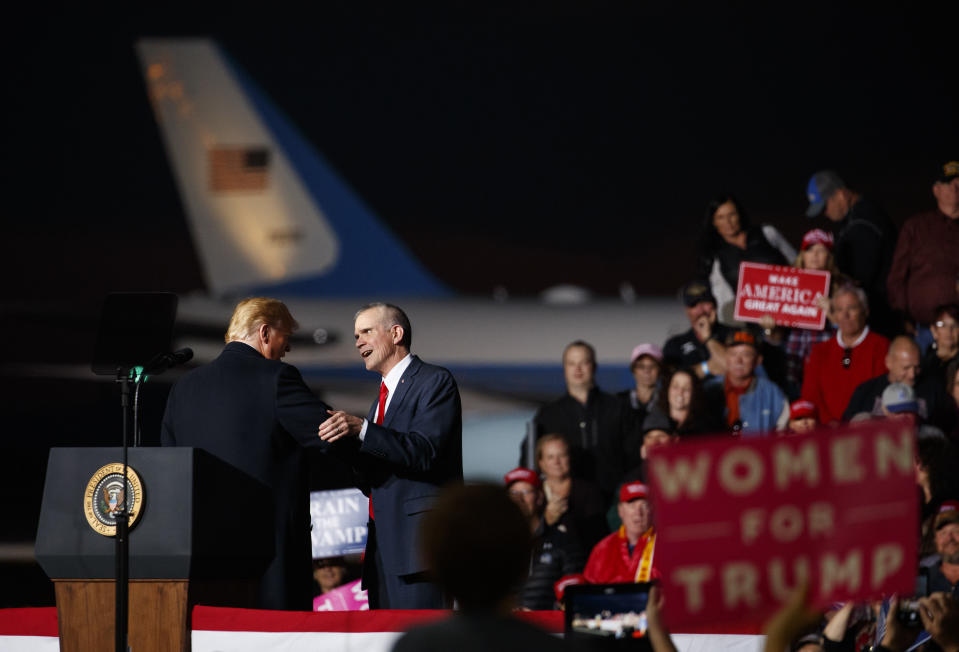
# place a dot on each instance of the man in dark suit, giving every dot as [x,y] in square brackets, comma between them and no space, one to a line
[254,411]
[408,447]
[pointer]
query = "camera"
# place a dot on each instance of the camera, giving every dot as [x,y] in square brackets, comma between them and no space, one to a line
[908,613]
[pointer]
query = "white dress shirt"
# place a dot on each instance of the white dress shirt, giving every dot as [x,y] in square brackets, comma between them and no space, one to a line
[391,380]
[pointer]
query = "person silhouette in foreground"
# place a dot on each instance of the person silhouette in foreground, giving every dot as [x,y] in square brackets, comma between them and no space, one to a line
[477,544]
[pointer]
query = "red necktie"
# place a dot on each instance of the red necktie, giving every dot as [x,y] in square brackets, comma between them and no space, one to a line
[380,409]
[382,406]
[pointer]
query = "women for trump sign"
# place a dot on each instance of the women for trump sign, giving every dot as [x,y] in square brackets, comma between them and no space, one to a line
[790,295]
[742,522]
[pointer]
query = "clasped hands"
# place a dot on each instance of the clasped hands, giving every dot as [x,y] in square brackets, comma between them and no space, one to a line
[339,425]
[555,509]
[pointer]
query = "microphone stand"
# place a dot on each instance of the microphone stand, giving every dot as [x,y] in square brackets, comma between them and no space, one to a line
[122,591]
[133,327]
[158,365]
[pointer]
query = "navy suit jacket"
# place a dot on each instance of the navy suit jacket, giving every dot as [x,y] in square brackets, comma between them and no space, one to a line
[407,460]
[257,414]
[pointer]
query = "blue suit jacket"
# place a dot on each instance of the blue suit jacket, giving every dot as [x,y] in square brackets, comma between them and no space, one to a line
[406,461]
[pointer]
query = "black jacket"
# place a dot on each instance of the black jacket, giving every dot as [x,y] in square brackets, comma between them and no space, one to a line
[758,250]
[257,415]
[585,515]
[596,434]
[866,398]
[556,553]
[685,351]
[865,243]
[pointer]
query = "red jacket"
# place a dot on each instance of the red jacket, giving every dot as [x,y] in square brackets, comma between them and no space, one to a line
[610,560]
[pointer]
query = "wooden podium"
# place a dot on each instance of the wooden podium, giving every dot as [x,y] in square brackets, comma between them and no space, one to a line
[204,534]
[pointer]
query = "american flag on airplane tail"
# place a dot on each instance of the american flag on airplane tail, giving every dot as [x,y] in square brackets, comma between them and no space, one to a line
[239,168]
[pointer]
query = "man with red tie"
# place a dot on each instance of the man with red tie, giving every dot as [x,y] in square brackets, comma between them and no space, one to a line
[408,448]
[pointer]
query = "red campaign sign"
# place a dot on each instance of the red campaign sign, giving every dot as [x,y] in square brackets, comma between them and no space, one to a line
[740,521]
[789,294]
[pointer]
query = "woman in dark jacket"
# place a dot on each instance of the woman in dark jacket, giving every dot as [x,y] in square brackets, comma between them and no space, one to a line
[728,239]
[572,503]
[945,348]
[684,405]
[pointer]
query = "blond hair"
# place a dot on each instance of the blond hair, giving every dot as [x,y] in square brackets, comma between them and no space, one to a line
[252,313]
[548,439]
[831,266]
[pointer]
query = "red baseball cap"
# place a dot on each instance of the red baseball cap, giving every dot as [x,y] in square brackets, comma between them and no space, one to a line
[520,474]
[816,236]
[567,580]
[802,409]
[632,491]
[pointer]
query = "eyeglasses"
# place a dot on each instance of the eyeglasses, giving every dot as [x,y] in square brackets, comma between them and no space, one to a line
[847,358]
[522,492]
[951,325]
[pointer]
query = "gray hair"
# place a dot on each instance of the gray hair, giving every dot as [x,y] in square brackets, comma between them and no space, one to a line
[392,316]
[856,291]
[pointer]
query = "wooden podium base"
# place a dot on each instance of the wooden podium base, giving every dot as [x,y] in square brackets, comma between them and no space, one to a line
[159,611]
[158,615]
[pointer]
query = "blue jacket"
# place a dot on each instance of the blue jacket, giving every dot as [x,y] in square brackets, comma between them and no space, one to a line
[406,461]
[763,408]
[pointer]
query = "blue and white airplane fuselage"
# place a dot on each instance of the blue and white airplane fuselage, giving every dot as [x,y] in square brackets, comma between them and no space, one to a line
[270,217]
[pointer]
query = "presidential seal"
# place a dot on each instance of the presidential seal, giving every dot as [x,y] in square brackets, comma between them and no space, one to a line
[105,494]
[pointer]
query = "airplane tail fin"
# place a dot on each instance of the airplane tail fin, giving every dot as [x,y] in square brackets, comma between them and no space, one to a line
[266,211]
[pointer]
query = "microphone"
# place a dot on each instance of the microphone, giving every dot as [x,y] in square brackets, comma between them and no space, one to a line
[164,361]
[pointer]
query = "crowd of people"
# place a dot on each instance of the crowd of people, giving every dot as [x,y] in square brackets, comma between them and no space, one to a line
[481,566]
[889,350]
[578,500]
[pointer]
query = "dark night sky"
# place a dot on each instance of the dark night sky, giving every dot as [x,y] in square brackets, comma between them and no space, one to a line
[523,147]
